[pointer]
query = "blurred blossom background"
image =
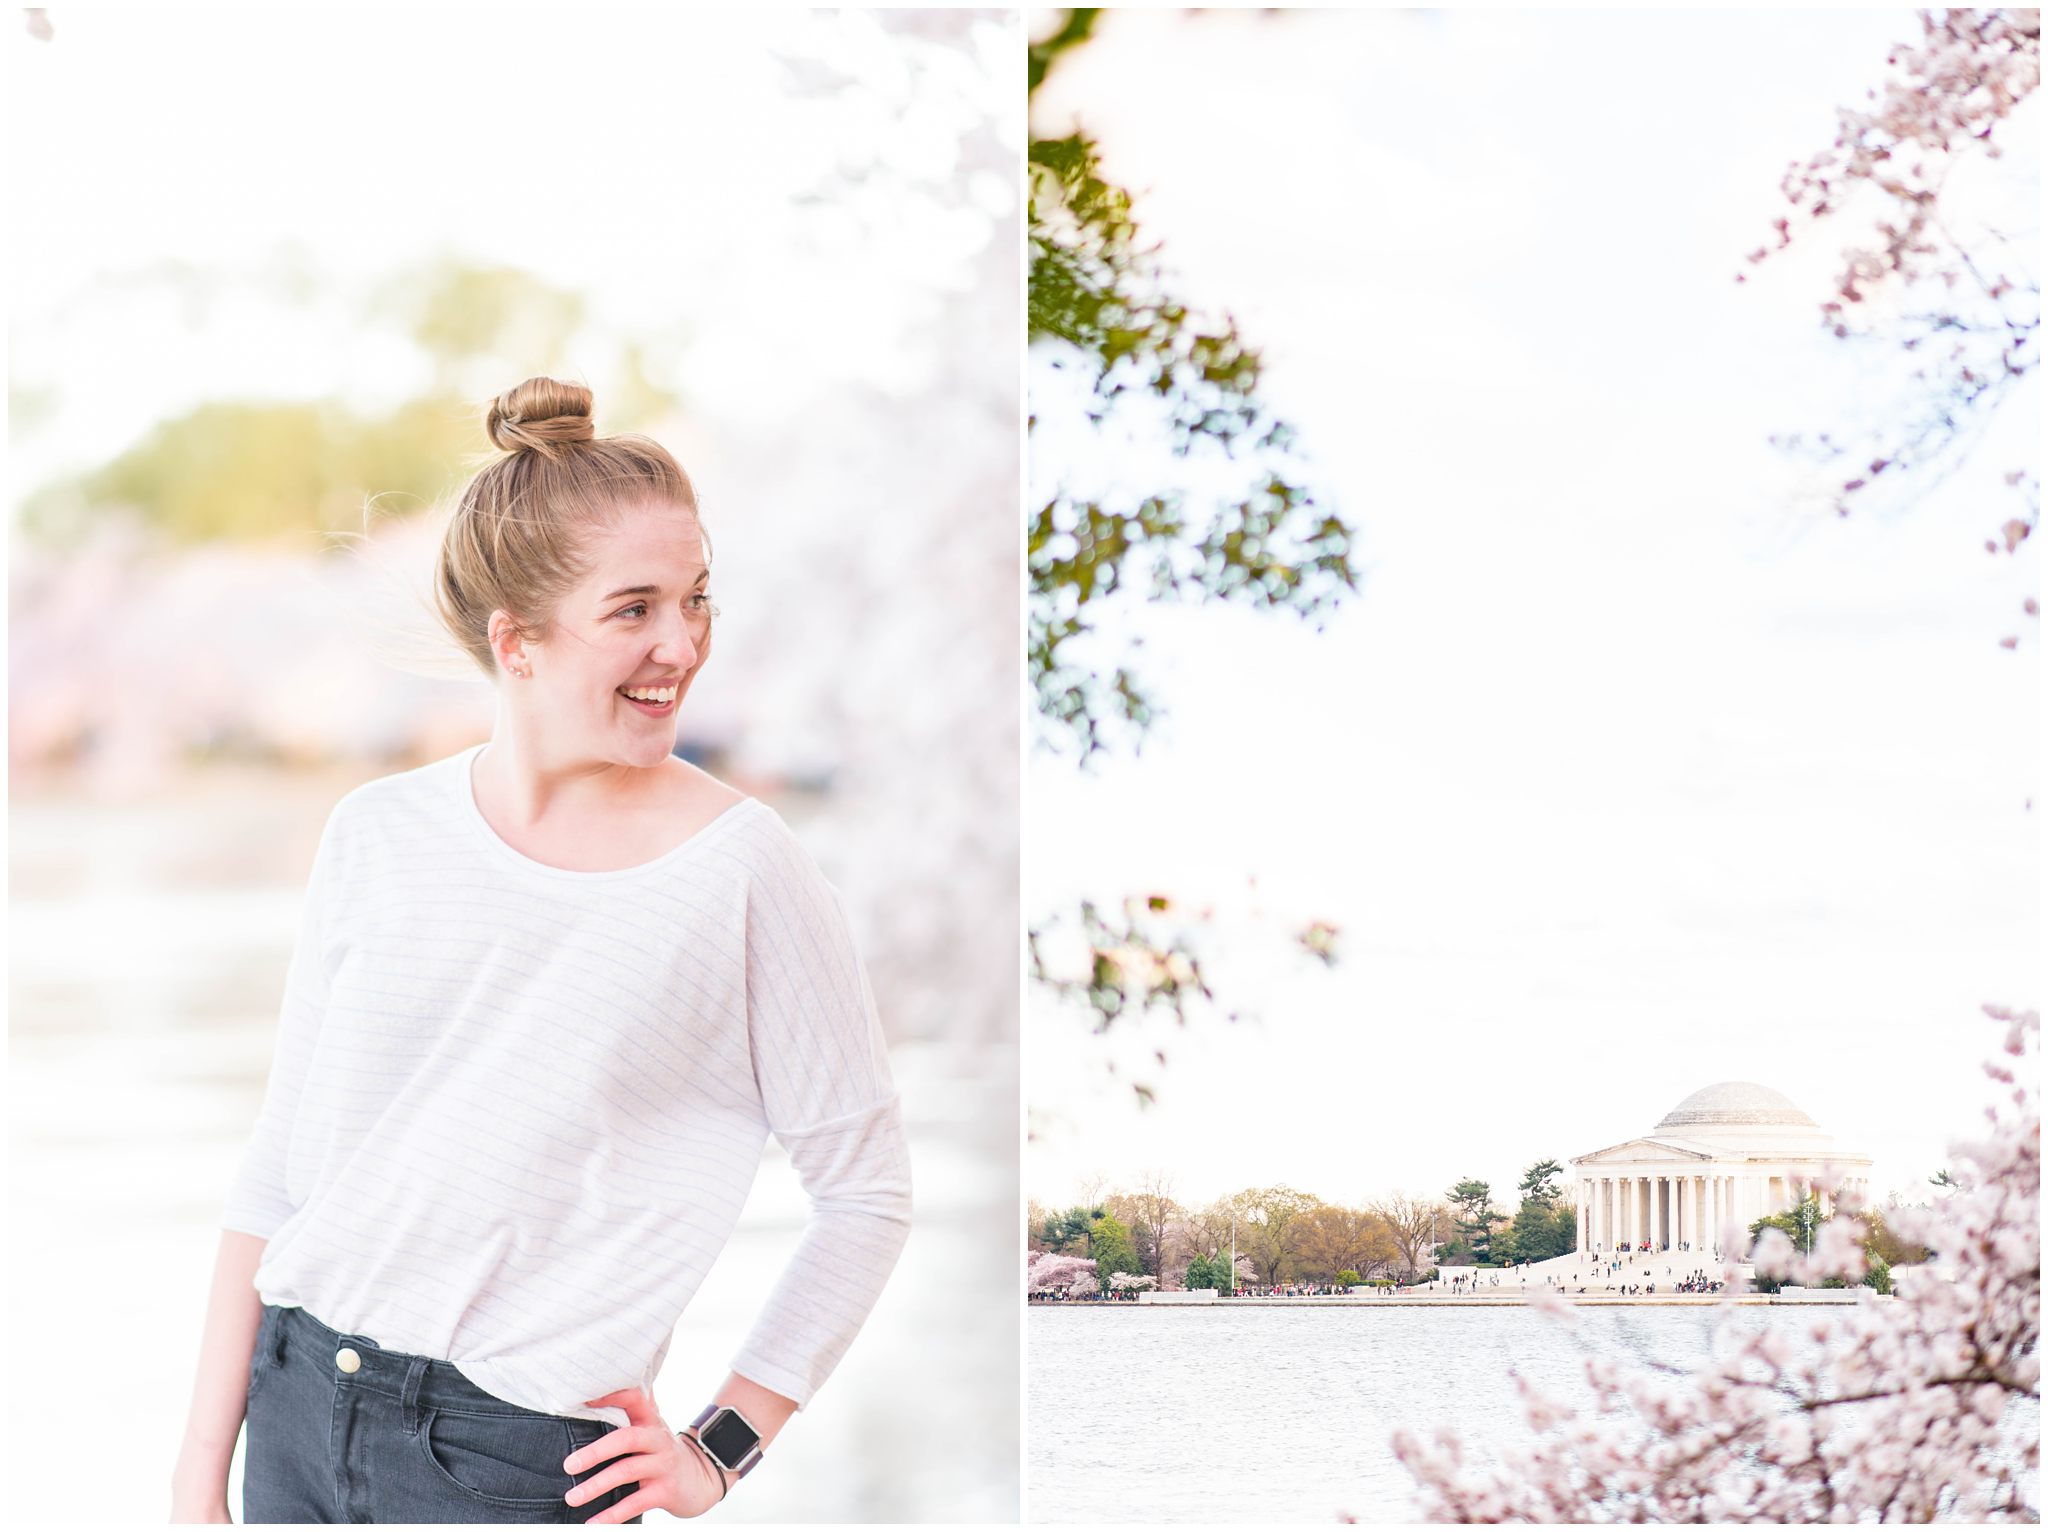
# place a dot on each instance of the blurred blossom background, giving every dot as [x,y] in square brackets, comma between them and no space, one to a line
[268,268]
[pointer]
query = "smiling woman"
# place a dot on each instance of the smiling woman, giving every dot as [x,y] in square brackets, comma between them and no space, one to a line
[550,996]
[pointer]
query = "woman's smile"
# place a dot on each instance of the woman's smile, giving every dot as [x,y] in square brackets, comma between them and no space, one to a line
[661,709]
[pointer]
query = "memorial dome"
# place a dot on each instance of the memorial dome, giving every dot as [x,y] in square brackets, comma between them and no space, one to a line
[1732,1103]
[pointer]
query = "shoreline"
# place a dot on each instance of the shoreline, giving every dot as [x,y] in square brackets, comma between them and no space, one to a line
[1820,1297]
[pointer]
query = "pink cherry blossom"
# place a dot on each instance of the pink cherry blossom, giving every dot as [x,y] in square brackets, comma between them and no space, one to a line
[1911,1408]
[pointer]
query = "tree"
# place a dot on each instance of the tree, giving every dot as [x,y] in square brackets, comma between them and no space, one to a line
[1903,1410]
[1414,1224]
[1109,1243]
[1476,1218]
[1037,1220]
[1210,1271]
[1539,1182]
[1269,1227]
[1947,257]
[1332,1239]
[1543,1226]
[1539,1231]
[1069,1231]
[1798,1222]
[1152,1215]
[1960,301]
[1884,1244]
[1225,516]
[1048,1271]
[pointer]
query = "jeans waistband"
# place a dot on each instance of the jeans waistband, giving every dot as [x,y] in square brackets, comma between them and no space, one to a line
[435,1382]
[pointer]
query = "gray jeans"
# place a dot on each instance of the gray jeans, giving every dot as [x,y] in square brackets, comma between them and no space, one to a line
[397,1438]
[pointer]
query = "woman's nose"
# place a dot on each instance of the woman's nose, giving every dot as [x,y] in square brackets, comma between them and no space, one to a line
[677,647]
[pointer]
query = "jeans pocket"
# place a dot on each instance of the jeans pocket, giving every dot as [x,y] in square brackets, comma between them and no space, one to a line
[259,1358]
[510,1459]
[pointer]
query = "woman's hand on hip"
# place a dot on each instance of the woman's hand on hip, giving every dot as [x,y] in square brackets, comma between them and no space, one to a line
[671,1473]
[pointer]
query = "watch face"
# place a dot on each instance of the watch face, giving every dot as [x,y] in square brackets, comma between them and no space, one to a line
[728,1437]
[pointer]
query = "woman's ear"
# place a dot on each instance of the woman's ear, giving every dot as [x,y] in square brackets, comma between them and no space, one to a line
[507,645]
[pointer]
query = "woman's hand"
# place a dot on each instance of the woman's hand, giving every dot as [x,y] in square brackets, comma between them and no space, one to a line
[199,1492]
[194,1511]
[671,1473]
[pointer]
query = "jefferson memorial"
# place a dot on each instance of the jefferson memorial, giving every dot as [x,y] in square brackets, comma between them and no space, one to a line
[1733,1151]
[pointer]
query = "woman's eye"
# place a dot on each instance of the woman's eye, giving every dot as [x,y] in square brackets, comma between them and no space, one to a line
[638,606]
[700,601]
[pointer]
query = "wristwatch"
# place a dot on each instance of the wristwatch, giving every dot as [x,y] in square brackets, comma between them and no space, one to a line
[729,1438]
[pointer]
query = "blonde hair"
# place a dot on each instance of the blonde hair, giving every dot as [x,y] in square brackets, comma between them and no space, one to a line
[516,538]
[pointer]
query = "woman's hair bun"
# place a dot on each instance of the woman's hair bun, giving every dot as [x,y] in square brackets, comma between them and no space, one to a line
[540,415]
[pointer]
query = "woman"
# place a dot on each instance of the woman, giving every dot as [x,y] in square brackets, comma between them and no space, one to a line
[550,996]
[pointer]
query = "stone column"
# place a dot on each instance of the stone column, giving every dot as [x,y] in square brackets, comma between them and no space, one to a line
[1656,1212]
[1628,1210]
[1580,1220]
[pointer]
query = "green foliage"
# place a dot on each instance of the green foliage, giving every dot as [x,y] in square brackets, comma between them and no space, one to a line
[1146,365]
[1075,27]
[1473,1200]
[1069,1232]
[1539,1181]
[1879,1274]
[1210,1271]
[1348,1278]
[1541,1229]
[1269,1227]
[1800,1222]
[235,471]
[256,470]
[1109,1243]
[1124,362]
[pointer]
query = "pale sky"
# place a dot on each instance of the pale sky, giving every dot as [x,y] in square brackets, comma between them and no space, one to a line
[1629,770]
[672,166]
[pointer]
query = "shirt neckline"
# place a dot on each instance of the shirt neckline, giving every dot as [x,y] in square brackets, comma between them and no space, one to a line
[465,790]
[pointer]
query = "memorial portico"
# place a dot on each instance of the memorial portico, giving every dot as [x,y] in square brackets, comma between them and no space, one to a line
[1733,1152]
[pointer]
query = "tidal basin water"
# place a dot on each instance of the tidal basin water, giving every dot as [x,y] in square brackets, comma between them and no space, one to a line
[1276,1414]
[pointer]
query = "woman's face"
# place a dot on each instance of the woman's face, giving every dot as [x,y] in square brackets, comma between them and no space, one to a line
[641,621]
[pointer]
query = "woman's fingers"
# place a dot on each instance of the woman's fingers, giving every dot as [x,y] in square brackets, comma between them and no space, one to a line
[619,1439]
[624,1471]
[626,1509]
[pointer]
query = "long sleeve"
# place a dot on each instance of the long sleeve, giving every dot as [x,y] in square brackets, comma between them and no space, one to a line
[257,1200]
[823,1075]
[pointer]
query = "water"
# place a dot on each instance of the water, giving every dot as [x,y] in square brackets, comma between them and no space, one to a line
[1273,1414]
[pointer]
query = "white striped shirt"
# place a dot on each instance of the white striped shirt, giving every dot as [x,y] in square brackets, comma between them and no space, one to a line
[514,1110]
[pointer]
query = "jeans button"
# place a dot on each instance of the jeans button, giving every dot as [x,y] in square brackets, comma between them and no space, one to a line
[347,1360]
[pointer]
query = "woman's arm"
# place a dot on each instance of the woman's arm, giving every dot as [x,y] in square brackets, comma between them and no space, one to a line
[766,1410]
[199,1482]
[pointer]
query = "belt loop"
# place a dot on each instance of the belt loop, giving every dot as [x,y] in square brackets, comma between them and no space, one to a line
[415,1373]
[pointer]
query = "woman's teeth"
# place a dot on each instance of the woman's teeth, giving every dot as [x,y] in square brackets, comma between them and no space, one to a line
[655,700]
